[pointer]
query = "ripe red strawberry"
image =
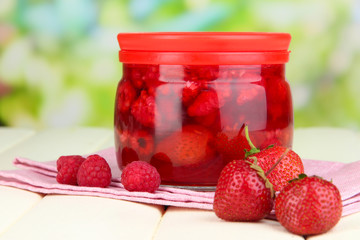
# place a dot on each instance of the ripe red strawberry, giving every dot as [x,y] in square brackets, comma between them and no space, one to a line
[143,109]
[94,172]
[281,165]
[241,193]
[205,103]
[68,167]
[140,176]
[188,146]
[308,206]
[232,144]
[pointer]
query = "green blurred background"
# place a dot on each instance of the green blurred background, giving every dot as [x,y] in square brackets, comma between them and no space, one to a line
[59,59]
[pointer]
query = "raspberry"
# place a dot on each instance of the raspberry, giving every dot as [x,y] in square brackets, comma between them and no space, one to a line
[143,109]
[140,176]
[125,97]
[143,75]
[128,155]
[94,172]
[140,141]
[206,102]
[196,73]
[68,167]
[190,92]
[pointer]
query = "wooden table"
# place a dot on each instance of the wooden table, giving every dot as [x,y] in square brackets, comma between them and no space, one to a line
[27,215]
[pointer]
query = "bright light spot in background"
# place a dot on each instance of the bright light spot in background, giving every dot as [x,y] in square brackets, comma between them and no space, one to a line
[197,4]
[71,110]
[315,14]
[14,59]
[6,6]
[301,95]
[39,73]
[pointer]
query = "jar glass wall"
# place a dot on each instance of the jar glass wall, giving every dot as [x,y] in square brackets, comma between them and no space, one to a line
[188,120]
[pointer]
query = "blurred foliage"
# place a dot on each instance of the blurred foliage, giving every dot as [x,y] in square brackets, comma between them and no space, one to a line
[59,58]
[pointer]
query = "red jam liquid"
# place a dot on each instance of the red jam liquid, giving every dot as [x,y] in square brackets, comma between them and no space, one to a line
[188,121]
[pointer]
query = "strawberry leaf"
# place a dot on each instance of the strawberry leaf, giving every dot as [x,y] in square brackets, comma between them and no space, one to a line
[301,176]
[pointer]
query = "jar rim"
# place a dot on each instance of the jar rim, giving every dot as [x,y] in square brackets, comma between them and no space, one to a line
[204,47]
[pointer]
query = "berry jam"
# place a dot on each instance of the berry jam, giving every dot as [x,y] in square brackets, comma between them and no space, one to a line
[188,120]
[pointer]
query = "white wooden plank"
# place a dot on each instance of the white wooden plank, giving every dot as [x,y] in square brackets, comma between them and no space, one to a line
[348,228]
[49,144]
[110,141]
[182,223]
[78,217]
[329,144]
[12,136]
[14,204]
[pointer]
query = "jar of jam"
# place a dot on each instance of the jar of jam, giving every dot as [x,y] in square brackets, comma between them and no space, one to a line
[185,98]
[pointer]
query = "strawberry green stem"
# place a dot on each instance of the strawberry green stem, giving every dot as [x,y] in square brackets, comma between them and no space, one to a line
[253,149]
[277,162]
[261,173]
[248,137]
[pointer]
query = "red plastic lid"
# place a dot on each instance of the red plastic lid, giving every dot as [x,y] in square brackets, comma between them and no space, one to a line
[204,48]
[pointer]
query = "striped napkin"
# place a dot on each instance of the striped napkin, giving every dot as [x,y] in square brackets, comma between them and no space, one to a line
[40,177]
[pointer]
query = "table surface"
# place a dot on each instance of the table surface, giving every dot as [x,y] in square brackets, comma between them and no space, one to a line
[28,215]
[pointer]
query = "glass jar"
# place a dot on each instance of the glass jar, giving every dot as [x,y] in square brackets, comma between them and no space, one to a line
[185,98]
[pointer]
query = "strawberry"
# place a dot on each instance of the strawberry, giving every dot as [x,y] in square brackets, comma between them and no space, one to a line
[205,103]
[242,193]
[232,144]
[280,163]
[309,205]
[188,146]
[143,109]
